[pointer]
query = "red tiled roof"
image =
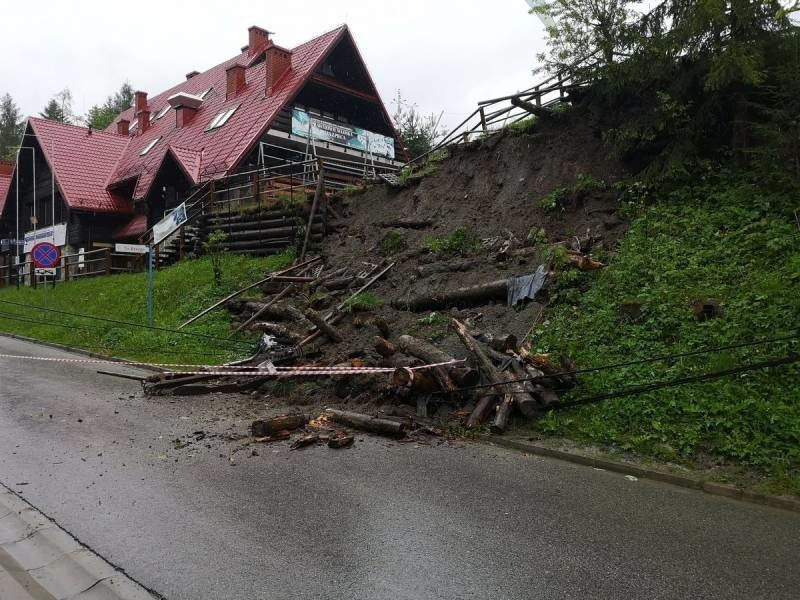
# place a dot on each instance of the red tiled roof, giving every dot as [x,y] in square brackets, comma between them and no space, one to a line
[82,162]
[215,153]
[189,160]
[5,185]
[136,226]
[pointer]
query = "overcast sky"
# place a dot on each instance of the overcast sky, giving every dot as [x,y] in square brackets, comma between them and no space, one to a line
[444,56]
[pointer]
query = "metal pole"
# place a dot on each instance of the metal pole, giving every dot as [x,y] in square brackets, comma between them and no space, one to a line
[150,259]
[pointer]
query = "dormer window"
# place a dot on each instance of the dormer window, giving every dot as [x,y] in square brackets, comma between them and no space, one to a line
[149,146]
[221,118]
[162,112]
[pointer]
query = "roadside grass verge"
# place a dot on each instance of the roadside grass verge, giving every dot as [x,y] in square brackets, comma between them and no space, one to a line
[726,239]
[180,292]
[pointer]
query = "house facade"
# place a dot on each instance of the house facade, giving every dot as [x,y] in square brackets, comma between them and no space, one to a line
[86,189]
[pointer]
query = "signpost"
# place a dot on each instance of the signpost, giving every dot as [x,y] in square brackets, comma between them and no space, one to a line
[131,248]
[46,257]
[150,260]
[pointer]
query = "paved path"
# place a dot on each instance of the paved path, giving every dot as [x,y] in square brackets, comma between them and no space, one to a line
[380,520]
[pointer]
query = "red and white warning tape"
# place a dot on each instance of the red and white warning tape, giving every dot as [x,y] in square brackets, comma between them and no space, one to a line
[237,370]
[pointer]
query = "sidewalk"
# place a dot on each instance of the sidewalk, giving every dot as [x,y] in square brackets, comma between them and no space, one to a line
[40,561]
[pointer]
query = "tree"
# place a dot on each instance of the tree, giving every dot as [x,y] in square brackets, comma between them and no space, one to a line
[419,132]
[584,34]
[101,116]
[59,108]
[11,124]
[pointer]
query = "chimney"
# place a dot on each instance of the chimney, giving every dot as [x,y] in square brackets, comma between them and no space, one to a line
[278,61]
[191,74]
[258,39]
[184,115]
[144,121]
[123,127]
[140,102]
[186,106]
[235,80]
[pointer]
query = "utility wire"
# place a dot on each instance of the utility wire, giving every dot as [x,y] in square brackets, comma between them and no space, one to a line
[641,361]
[128,323]
[154,349]
[642,389]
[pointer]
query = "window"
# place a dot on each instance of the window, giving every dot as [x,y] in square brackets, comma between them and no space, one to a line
[221,118]
[162,112]
[202,95]
[133,125]
[149,146]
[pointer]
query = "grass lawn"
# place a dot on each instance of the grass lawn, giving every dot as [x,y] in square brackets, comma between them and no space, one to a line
[723,238]
[181,291]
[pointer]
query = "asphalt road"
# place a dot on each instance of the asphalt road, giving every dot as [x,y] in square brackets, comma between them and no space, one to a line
[380,520]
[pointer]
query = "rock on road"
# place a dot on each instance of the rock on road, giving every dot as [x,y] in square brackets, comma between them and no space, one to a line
[380,520]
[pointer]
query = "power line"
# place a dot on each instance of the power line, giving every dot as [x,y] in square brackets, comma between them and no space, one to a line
[630,363]
[642,389]
[154,349]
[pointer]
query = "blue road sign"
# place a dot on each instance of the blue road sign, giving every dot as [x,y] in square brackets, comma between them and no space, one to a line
[45,255]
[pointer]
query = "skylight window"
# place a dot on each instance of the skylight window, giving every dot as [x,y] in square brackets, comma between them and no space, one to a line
[163,111]
[202,95]
[221,118]
[149,146]
[133,125]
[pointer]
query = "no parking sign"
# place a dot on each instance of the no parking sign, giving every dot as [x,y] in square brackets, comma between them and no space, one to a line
[45,255]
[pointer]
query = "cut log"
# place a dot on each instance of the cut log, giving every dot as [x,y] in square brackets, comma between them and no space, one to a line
[500,422]
[513,392]
[273,329]
[482,409]
[421,382]
[287,290]
[341,439]
[265,427]
[367,423]
[407,223]
[324,326]
[276,437]
[306,440]
[384,347]
[475,294]
[431,355]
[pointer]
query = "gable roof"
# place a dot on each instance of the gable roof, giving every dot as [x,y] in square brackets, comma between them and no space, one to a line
[82,161]
[5,185]
[215,153]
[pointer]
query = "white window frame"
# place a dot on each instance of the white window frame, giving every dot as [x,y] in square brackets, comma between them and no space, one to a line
[163,112]
[221,118]
[150,146]
[202,95]
[133,125]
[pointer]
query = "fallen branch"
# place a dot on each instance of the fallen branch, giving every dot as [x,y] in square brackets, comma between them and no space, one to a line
[324,326]
[261,428]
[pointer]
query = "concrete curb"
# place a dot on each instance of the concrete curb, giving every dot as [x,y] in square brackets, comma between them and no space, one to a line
[709,487]
[40,560]
[85,353]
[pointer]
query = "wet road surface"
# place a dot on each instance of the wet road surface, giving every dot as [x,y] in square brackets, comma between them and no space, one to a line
[379,520]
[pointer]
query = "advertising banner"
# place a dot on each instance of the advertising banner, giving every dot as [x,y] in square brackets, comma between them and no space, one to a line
[169,224]
[56,235]
[341,133]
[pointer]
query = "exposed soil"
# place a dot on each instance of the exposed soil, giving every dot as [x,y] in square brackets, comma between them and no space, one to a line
[491,187]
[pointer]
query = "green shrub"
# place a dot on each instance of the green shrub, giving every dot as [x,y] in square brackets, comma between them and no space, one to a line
[462,241]
[393,243]
[365,301]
